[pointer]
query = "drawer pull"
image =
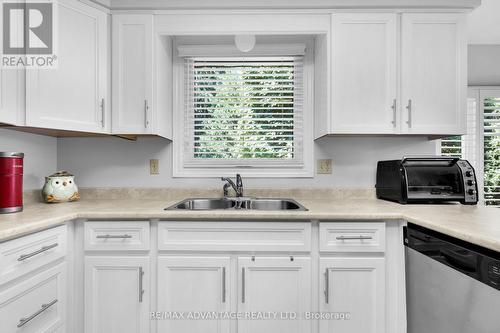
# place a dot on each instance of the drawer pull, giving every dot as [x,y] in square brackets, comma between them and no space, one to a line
[43,249]
[354,237]
[24,321]
[113,236]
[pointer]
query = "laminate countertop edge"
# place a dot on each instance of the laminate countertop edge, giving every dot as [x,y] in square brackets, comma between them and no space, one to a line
[474,224]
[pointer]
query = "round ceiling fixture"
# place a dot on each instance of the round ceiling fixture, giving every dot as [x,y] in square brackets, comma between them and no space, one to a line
[244,43]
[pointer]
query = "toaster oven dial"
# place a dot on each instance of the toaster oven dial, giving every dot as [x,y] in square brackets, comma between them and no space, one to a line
[471,182]
[468,173]
[471,192]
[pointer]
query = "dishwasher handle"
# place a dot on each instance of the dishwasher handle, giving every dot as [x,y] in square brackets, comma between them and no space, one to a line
[463,262]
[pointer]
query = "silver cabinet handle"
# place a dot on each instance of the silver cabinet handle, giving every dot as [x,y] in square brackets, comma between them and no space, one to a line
[327,286]
[223,284]
[103,113]
[146,107]
[141,290]
[113,236]
[43,249]
[408,107]
[354,237]
[393,107]
[243,285]
[24,321]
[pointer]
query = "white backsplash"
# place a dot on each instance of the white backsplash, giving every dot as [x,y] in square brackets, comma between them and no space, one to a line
[40,155]
[113,162]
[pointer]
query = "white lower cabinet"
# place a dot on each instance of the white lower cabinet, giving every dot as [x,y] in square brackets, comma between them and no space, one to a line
[37,304]
[353,289]
[194,286]
[117,291]
[278,287]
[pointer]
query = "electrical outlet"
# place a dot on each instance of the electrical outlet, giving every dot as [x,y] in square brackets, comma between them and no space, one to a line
[154,167]
[324,167]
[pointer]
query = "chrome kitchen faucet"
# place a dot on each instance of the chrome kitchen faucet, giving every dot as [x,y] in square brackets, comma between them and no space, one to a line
[238,187]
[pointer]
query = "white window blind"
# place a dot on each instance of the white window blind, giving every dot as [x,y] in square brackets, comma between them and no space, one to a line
[243,111]
[464,146]
[481,144]
[491,149]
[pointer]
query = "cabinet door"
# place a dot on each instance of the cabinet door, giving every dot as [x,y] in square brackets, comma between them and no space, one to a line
[354,289]
[276,286]
[117,293]
[434,81]
[11,87]
[12,96]
[190,286]
[72,96]
[364,73]
[132,73]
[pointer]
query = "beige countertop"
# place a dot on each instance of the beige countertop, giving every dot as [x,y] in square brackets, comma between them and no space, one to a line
[476,224]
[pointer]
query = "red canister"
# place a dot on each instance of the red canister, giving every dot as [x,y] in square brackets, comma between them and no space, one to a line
[11,182]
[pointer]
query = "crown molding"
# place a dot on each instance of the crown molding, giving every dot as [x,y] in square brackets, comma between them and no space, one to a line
[286,4]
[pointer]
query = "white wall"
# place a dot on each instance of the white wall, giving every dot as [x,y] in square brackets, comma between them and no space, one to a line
[113,162]
[484,64]
[484,23]
[40,158]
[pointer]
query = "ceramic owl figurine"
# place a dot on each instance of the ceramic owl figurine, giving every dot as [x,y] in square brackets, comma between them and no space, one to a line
[60,187]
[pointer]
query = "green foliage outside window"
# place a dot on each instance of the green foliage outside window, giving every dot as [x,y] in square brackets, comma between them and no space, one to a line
[244,111]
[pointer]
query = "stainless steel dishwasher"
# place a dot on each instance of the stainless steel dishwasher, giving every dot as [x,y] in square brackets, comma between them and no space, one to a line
[451,286]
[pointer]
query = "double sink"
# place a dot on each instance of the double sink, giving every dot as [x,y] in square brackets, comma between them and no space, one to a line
[238,203]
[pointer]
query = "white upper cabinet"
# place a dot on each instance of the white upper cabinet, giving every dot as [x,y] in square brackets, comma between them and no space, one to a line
[132,45]
[364,79]
[434,81]
[12,105]
[73,96]
[274,285]
[392,76]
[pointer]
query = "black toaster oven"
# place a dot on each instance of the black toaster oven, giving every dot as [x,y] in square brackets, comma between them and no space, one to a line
[427,180]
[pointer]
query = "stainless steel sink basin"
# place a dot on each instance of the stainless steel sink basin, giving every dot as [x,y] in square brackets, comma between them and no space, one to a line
[270,204]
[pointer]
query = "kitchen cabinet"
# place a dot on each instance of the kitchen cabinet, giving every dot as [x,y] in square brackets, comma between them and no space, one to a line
[37,304]
[190,285]
[132,74]
[73,96]
[364,79]
[353,288]
[12,101]
[434,73]
[11,88]
[117,293]
[279,285]
[396,74]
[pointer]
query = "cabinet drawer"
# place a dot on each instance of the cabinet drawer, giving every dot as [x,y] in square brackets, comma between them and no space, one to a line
[37,304]
[117,236]
[235,236]
[352,237]
[25,254]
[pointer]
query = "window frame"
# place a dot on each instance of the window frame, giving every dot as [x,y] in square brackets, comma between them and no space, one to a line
[303,170]
[478,93]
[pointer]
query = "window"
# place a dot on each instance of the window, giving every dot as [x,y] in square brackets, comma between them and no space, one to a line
[243,114]
[481,145]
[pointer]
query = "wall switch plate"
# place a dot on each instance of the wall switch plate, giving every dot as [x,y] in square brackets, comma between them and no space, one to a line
[324,167]
[154,167]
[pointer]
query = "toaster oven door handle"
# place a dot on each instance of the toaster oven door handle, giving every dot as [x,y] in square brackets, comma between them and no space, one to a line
[452,160]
